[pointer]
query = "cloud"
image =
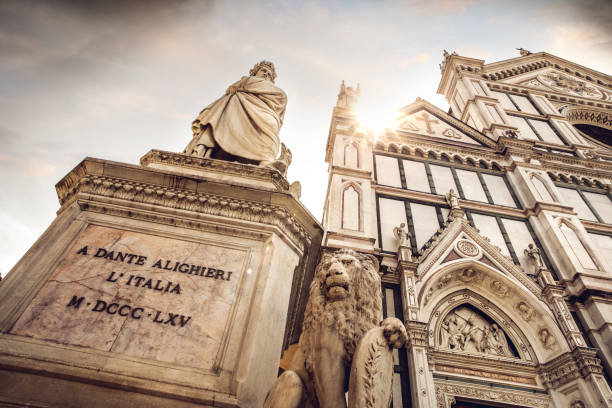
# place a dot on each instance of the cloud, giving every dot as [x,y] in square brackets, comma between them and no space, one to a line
[445,6]
[421,58]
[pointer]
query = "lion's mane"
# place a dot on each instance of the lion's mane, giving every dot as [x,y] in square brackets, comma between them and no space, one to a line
[353,316]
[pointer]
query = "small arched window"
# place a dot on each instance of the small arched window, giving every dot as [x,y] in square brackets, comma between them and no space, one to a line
[350,208]
[351,156]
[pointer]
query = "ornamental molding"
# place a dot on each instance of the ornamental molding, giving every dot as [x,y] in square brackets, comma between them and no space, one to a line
[409,147]
[595,174]
[584,115]
[432,251]
[447,391]
[592,166]
[579,363]
[509,70]
[520,65]
[218,166]
[553,97]
[78,184]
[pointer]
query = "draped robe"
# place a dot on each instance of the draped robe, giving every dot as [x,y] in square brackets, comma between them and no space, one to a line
[245,123]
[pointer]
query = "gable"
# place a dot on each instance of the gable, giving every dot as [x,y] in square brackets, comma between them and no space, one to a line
[424,123]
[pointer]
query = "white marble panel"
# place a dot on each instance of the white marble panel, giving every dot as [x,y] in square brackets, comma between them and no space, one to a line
[494,113]
[505,101]
[140,295]
[525,131]
[387,171]
[569,196]
[602,205]
[478,88]
[499,190]
[604,247]
[545,105]
[524,104]
[488,227]
[470,183]
[520,237]
[416,176]
[443,179]
[577,247]
[546,131]
[392,214]
[425,222]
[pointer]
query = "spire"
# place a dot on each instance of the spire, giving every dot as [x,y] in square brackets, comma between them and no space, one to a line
[348,96]
[446,56]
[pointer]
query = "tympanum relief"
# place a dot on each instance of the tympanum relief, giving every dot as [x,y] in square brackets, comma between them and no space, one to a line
[565,83]
[465,329]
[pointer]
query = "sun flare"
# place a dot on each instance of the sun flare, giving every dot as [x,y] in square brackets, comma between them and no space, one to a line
[375,117]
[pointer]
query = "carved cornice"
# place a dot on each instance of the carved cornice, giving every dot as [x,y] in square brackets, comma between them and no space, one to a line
[447,391]
[521,368]
[81,183]
[219,166]
[508,72]
[532,62]
[352,172]
[580,363]
[549,94]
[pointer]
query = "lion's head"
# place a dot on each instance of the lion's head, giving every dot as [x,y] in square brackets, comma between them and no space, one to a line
[345,294]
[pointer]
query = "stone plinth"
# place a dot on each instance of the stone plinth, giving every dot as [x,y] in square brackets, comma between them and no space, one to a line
[165,284]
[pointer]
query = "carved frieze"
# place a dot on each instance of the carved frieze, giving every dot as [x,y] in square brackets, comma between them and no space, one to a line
[579,363]
[79,183]
[447,391]
[221,166]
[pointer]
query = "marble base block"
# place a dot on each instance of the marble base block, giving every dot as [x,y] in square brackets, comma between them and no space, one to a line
[164,284]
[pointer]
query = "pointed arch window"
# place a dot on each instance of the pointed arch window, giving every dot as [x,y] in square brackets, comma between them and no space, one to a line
[351,208]
[542,190]
[351,156]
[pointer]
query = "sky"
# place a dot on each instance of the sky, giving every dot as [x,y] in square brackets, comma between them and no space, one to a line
[113,79]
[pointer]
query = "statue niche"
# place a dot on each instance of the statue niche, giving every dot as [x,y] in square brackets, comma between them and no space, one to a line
[467,329]
[243,124]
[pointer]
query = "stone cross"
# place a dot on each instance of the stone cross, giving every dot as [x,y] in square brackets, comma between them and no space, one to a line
[425,118]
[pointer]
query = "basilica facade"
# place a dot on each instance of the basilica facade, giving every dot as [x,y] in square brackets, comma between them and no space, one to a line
[493,226]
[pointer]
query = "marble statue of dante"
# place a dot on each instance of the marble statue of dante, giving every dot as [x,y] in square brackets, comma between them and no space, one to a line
[244,123]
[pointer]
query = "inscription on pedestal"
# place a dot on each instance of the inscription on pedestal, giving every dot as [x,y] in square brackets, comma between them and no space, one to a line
[138,294]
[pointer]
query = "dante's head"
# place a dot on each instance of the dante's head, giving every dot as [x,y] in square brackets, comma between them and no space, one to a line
[264,69]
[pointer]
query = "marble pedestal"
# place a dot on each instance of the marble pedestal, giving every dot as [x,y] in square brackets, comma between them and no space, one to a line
[165,284]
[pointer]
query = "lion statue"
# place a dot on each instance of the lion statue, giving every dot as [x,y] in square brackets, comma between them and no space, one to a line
[341,327]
